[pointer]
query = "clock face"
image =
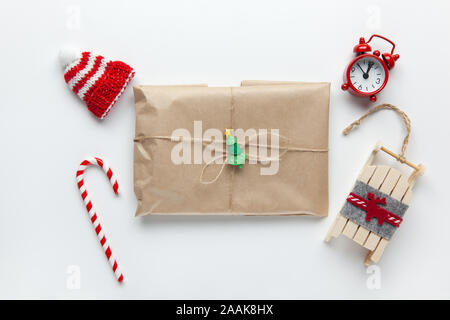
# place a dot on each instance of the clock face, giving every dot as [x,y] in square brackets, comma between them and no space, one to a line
[367,74]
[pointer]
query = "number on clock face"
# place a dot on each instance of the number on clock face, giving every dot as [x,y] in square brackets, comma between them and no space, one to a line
[367,75]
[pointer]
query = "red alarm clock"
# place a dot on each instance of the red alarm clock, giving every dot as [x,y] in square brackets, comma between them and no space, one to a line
[368,73]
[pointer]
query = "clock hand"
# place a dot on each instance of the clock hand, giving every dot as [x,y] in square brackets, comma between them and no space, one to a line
[365,75]
[370,67]
[360,68]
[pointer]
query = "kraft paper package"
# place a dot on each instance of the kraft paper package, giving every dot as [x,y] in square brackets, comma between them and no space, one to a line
[179,149]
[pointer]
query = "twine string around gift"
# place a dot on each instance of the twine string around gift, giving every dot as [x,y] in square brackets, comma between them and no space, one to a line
[223,156]
[386,106]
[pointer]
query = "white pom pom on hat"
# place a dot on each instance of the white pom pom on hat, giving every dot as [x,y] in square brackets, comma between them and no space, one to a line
[68,55]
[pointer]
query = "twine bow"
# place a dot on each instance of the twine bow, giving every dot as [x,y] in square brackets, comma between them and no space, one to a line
[250,157]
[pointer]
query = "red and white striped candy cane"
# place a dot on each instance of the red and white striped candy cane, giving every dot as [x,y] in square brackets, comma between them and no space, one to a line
[92,212]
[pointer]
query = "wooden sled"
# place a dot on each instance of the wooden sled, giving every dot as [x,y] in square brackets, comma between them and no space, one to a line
[387,180]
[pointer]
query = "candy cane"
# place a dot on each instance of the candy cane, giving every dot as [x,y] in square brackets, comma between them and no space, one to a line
[92,212]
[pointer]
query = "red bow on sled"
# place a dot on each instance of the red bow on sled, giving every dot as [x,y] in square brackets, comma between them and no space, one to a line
[370,206]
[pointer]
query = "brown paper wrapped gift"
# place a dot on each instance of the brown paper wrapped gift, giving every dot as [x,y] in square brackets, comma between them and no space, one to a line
[299,113]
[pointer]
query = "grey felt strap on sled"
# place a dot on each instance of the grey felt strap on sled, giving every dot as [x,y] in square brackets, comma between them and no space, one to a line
[358,215]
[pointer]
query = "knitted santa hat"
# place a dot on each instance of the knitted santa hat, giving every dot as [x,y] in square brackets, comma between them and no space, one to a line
[98,81]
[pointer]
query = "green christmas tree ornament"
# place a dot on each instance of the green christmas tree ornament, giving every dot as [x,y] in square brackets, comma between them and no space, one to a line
[237,156]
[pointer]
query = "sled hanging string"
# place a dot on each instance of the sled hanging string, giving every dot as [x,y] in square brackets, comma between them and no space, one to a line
[400,157]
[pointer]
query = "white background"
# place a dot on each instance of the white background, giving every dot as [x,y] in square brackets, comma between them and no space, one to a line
[45,131]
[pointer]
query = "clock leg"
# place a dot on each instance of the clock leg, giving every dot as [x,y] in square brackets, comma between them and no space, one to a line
[373,98]
[344,86]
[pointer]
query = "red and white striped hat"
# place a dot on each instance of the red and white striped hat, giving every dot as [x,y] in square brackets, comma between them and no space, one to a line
[99,82]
